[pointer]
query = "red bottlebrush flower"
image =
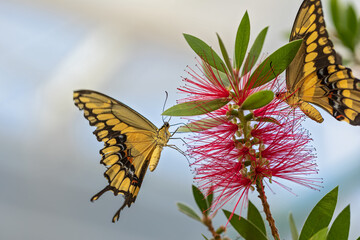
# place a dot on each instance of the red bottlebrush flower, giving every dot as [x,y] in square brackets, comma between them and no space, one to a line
[206,85]
[243,148]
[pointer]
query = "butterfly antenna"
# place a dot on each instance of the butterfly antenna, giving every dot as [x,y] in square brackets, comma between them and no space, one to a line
[163,110]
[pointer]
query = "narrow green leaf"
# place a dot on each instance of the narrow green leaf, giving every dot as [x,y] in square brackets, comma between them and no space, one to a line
[225,56]
[320,216]
[242,40]
[215,76]
[201,125]
[254,216]
[267,119]
[320,235]
[200,199]
[188,211]
[258,100]
[245,228]
[194,108]
[335,13]
[205,52]
[341,226]
[275,64]
[209,199]
[352,19]
[293,229]
[204,237]
[255,51]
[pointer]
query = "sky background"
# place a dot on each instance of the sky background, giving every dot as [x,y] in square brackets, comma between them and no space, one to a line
[133,51]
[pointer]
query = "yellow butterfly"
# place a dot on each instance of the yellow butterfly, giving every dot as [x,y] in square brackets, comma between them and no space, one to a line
[316,75]
[132,143]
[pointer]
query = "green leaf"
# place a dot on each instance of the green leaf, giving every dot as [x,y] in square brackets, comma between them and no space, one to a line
[341,226]
[205,52]
[201,125]
[213,75]
[255,51]
[254,216]
[267,119]
[293,229]
[320,235]
[209,199]
[200,200]
[275,64]
[225,56]
[335,13]
[320,216]
[258,100]
[245,228]
[204,237]
[194,108]
[352,26]
[188,211]
[242,40]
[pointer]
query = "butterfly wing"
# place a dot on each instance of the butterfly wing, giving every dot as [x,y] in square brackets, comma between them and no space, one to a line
[316,74]
[129,141]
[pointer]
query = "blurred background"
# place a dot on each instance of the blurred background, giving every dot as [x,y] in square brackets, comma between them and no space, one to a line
[133,51]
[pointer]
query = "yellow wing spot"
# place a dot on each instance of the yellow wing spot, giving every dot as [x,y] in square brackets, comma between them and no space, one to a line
[322,41]
[312,38]
[340,74]
[346,83]
[97,105]
[311,9]
[351,114]
[112,122]
[111,160]
[75,95]
[317,3]
[331,69]
[92,119]
[112,141]
[84,99]
[312,27]
[112,171]
[110,149]
[311,56]
[105,116]
[319,11]
[351,94]
[105,139]
[309,68]
[125,185]
[100,110]
[119,127]
[80,106]
[311,47]
[100,125]
[321,19]
[102,133]
[327,50]
[86,113]
[76,101]
[322,30]
[331,59]
[132,189]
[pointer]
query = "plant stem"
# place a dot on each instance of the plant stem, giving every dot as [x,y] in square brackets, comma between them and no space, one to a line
[207,222]
[269,218]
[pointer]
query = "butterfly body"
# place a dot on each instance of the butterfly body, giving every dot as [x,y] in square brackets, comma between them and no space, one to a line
[316,75]
[131,143]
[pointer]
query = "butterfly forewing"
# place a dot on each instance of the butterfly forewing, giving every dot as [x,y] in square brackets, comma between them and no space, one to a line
[316,74]
[129,142]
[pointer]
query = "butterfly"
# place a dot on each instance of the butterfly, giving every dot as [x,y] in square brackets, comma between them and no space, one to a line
[316,75]
[131,143]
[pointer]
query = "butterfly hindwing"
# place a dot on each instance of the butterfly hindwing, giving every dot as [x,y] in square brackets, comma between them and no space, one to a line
[316,75]
[129,143]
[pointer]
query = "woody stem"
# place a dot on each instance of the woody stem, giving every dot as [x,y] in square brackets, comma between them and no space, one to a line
[269,218]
